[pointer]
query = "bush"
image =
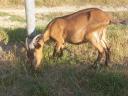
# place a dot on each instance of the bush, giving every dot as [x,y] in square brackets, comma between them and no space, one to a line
[3,37]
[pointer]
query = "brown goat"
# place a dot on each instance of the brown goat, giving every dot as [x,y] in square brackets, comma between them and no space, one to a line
[88,25]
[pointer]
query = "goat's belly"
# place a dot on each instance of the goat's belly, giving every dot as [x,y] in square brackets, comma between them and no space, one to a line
[77,43]
[76,38]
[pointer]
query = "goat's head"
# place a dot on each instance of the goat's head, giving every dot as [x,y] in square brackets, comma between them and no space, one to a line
[34,51]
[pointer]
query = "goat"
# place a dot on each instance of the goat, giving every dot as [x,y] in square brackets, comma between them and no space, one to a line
[87,25]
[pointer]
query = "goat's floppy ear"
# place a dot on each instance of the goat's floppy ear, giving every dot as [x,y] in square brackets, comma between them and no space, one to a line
[35,42]
[37,45]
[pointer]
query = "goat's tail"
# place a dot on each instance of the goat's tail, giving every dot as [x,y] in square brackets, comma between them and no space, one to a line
[119,21]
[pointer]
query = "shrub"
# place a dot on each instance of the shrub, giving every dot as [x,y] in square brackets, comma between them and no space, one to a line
[3,37]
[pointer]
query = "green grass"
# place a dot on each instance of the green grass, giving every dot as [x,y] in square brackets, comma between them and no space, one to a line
[12,17]
[119,15]
[118,40]
[4,36]
[16,18]
[62,80]
[4,14]
[15,35]
[69,75]
[108,84]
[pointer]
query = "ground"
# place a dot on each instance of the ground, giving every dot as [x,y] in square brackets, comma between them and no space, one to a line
[70,75]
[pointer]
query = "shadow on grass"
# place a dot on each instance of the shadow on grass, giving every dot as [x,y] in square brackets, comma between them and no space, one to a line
[16,43]
[63,80]
[78,80]
[18,34]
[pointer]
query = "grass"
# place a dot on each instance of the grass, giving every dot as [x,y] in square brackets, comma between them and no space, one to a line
[108,84]
[121,37]
[3,14]
[68,76]
[62,80]
[13,17]
[17,18]
[119,15]
[60,2]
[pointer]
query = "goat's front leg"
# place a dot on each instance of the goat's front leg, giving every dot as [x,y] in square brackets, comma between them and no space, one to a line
[58,50]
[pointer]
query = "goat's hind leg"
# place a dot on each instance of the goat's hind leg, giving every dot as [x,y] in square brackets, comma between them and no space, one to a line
[106,47]
[94,39]
[107,52]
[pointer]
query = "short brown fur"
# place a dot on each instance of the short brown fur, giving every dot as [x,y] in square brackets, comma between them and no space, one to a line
[88,25]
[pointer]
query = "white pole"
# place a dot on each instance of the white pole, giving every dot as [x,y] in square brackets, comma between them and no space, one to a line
[30,18]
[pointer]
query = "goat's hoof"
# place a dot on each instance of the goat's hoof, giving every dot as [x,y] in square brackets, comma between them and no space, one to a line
[94,66]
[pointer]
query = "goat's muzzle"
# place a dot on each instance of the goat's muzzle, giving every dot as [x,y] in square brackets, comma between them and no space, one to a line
[34,53]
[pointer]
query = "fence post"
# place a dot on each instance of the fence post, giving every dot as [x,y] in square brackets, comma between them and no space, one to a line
[30,19]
